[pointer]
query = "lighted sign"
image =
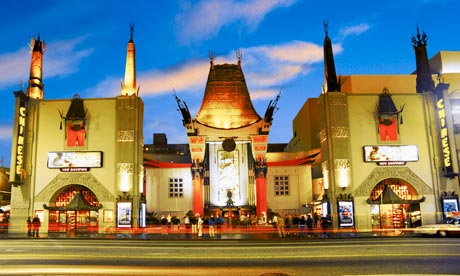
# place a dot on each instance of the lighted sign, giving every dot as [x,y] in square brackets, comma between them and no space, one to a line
[391,154]
[445,145]
[70,160]
[20,141]
[124,213]
[450,206]
[345,213]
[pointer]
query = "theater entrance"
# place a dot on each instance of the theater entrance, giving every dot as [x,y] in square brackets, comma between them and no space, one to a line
[74,209]
[395,204]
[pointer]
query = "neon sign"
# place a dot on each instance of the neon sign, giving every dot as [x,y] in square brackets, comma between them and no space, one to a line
[19,171]
[445,145]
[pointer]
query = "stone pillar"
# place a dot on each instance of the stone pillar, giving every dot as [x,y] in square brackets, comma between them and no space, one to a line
[197,182]
[261,188]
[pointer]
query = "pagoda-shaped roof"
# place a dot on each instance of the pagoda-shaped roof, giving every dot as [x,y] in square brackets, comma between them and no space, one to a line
[226,102]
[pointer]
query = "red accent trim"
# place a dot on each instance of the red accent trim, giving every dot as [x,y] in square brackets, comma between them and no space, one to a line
[261,195]
[198,207]
[169,165]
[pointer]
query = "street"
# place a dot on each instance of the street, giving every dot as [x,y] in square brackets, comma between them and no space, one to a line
[359,256]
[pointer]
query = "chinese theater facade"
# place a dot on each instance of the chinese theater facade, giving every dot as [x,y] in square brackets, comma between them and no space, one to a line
[228,143]
[387,161]
[77,163]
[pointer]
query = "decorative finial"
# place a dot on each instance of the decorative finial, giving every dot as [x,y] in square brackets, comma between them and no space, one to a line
[326,26]
[211,56]
[419,40]
[131,30]
[239,55]
[21,85]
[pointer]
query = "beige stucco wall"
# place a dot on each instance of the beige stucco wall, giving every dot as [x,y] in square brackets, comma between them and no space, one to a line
[300,189]
[100,136]
[157,191]
[413,131]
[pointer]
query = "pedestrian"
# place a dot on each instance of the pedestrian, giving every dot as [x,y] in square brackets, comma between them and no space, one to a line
[29,227]
[187,223]
[193,222]
[164,225]
[175,224]
[211,223]
[302,223]
[219,223]
[200,226]
[280,225]
[325,225]
[35,226]
[309,223]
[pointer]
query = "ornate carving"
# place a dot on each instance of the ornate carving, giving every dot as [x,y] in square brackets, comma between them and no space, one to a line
[197,169]
[126,103]
[342,164]
[340,132]
[85,179]
[337,99]
[322,135]
[125,135]
[125,168]
[381,173]
[261,168]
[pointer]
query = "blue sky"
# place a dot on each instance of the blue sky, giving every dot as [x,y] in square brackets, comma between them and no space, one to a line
[281,42]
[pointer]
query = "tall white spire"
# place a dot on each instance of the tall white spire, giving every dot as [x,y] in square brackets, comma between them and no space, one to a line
[128,86]
[36,87]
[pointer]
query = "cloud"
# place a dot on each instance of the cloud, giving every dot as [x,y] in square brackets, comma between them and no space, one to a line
[14,67]
[188,76]
[267,69]
[353,30]
[108,87]
[5,132]
[207,17]
[61,58]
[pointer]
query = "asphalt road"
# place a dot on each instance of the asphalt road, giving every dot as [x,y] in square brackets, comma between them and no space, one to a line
[360,256]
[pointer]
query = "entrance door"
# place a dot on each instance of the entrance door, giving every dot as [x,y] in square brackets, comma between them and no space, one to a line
[67,215]
[393,205]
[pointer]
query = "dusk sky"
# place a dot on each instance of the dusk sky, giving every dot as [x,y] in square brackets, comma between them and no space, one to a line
[281,43]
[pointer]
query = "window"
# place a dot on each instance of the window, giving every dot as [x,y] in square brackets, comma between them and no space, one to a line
[282,185]
[176,187]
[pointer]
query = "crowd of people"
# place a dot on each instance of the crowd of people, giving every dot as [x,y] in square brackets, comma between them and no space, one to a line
[306,225]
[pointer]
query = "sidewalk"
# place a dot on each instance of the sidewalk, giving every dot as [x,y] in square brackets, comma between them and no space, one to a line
[226,233]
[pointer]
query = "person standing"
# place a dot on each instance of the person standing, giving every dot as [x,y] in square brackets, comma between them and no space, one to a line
[187,223]
[219,223]
[200,226]
[193,222]
[35,226]
[280,225]
[309,223]
[29,227]
[325,225]
[211,223]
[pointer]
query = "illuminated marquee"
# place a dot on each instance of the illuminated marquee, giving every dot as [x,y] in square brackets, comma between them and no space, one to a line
[391,155]
[74,161]
[20,141]
[445,145]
